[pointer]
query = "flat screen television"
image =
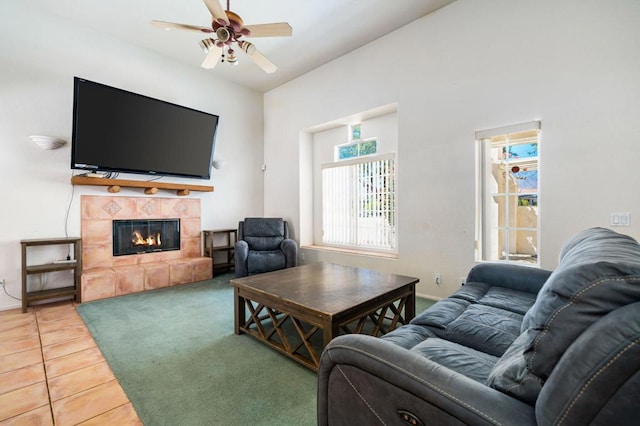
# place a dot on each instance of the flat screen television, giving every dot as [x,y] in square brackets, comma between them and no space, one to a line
[119,131]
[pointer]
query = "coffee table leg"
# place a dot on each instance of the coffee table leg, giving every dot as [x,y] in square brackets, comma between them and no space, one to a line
[329,331]
[239,308]
[410,306]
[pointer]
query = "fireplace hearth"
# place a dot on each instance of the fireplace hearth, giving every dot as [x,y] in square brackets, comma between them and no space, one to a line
[145,236]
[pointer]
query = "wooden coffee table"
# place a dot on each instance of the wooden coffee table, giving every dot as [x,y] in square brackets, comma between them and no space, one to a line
[297,311]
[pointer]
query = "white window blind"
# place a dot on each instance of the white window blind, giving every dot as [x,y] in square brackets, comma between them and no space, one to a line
[359,203]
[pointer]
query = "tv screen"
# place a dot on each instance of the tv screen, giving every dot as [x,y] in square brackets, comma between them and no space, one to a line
[119,131]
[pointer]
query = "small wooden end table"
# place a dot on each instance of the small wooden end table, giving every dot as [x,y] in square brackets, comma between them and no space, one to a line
[226,261]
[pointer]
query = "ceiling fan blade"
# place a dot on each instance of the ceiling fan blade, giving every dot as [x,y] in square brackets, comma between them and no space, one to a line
[212,58]
[172,25]
[217,11]
[277,29]
[257,57]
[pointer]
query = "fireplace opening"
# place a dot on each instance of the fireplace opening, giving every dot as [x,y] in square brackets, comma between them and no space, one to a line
[145,236]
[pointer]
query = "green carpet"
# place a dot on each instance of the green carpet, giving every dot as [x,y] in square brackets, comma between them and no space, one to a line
[176,357]
[174,353]
[423,304]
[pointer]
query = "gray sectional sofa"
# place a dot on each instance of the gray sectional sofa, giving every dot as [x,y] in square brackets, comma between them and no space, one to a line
[516,345]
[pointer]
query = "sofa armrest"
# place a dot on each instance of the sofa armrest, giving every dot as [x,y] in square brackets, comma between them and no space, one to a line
[366,380]
[241,253]
[290,249]
[516,277]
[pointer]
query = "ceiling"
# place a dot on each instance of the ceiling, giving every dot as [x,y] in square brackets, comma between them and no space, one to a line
[322,29]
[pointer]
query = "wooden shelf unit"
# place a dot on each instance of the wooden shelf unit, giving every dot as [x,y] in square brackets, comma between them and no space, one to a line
[227,249]
[74,265]
[114,185]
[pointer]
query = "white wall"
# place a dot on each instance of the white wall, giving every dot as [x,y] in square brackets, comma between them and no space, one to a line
[39,56]
[574,65]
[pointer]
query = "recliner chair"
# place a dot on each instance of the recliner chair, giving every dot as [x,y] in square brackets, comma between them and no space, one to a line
[263,246]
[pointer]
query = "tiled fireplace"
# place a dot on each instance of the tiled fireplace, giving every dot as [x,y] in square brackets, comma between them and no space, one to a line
[157,246]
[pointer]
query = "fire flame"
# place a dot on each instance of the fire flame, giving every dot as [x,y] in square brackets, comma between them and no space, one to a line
[139,240]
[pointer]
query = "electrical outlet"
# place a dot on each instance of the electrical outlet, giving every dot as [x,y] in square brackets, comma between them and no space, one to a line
[437,279]
[301,257]
[462,281]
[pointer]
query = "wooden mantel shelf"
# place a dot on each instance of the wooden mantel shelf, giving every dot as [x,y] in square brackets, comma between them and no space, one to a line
[114,185]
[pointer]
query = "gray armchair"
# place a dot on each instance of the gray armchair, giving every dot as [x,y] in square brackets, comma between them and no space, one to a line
[263,246]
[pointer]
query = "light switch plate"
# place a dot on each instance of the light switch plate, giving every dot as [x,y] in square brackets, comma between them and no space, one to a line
[620,219]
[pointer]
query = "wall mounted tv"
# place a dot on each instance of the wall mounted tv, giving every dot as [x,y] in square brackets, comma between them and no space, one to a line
[119,131]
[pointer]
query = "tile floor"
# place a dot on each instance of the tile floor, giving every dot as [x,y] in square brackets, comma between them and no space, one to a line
[52,372]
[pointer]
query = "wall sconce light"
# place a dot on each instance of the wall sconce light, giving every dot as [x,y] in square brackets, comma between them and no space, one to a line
[47,142]
[219,164]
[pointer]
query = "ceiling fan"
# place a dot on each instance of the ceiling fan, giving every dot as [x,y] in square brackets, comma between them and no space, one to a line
[228,29]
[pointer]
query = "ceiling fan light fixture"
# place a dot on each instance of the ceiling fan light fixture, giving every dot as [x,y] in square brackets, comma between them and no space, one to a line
[223,34]
[204,45]
[247,47]
[235,21]
[232,58]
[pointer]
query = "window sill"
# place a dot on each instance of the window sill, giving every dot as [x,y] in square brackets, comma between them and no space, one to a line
[351,251]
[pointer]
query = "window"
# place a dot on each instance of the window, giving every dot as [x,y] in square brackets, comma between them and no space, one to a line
[352,205]
[356,147]
[507,224]
[359,203]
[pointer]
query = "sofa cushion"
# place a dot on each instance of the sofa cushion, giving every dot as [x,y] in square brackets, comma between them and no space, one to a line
[472,291]
[509,300]
[484,328]
[599,271]
[472,363]
[409,335]
[259,262]
[443,312]
[496,296]
[511,375]
[479,316]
